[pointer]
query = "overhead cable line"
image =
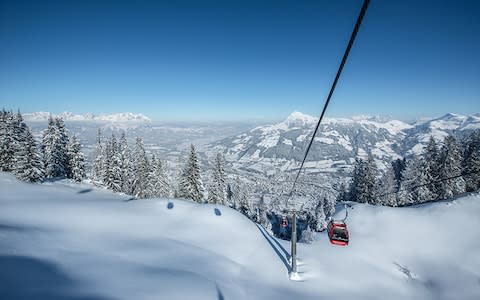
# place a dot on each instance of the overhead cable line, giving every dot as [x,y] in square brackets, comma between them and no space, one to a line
[332,89]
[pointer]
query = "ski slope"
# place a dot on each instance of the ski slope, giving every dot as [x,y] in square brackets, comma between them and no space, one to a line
[69,241]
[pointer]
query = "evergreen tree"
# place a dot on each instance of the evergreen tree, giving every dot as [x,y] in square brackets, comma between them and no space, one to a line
[389,186]
[398,166]
[55,141]
[107,164]
[414,187]
[364,186]
[262,214]
[450,166]
[160,183]
[7,141]
[62,145]
[471,162]
[343,194]
[28,165]
[239,197]
[218,183]
[99,163]
[113,171]
[329,203]
[141,187]
[126,165]
[230,202]
[19,141]
[76,160]
[320,218]
[432,165]
[191,186]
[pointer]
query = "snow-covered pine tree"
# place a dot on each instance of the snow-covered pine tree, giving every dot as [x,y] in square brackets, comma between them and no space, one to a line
[329,203]
[76,160]
[28,164]
[320,223]
[99,162]
[19,140]
[218,183]
[141,188]
[160,182]
[450,166]
[364,186]
[412,176]
[388,195]
[54,146]
[19,133]
[229,198]
[62,145]
[240,198]
[416,179]
[107,164]
[7,141]
[191,186]
[343,193]
[47,146]
[113,179]
[126,165]
[262,214]
[432,165]
[398,166]
[471,162]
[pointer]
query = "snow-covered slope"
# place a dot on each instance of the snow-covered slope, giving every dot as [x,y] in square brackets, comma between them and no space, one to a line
[439,128]
[68,116]
[73,241]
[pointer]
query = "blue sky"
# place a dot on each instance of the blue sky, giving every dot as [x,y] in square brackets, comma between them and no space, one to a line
[239,60]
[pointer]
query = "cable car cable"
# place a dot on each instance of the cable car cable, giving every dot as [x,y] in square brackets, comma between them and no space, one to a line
[332,89]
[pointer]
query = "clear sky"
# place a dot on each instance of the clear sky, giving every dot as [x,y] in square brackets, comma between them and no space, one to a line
[239,60]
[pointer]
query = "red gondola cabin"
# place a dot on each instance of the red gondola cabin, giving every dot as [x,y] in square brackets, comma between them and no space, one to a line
[338,233]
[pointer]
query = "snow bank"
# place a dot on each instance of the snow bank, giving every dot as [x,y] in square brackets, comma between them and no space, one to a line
[74,241]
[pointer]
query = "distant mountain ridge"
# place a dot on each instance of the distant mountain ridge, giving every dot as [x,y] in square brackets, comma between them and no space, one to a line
[281,146]
[68,116]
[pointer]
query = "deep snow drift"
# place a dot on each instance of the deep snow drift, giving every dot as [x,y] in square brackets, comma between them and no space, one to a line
[74,241]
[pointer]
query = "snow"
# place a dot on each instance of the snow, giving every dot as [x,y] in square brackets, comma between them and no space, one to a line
[343,141]
[69,116]
[256,154]
[298,119]
[302,137]
[324,140]
[73,241]
[384,149]
[269,141]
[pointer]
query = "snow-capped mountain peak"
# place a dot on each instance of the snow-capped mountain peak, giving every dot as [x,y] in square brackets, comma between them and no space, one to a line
[69,116]
[121,117]
[298,119]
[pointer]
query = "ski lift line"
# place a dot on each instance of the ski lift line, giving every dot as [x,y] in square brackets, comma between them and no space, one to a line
[332,89]
[430,183]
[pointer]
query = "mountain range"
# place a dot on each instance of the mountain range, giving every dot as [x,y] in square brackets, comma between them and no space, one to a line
[68,116]
[273,148]
[280,147]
